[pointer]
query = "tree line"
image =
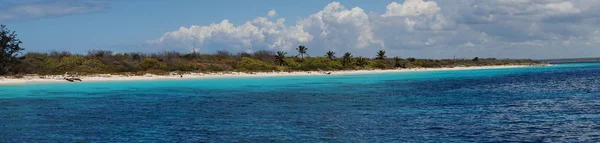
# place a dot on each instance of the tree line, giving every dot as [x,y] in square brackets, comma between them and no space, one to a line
[12,61]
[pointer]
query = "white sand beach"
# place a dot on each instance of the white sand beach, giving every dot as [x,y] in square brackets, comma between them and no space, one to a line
[34,79]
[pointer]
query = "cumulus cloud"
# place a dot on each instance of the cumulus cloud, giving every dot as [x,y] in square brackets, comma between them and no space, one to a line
[25,11]
[469,44]
[415,28]
[412,8]
[272,13]
[259,32]
[334,26]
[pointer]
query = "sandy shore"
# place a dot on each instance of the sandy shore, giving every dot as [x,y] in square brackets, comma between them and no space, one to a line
[106,77]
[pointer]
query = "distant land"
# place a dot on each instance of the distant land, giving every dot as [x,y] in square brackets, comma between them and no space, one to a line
[570,60]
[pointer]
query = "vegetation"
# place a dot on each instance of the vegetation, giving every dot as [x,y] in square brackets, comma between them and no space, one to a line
[330,55]
[347,60]
[302,50]
[380,55]
[140,63]
[101,61]
[280,58]
[9,49]
[397,63]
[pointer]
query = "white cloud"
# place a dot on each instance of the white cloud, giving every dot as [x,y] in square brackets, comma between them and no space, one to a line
[259,32]
[334,26]
[272,13]
[338,27]
[412,8]
[27,11]
[415,28]
[469,44]
[563,7]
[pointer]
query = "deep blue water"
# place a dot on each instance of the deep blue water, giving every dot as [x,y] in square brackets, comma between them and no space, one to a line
[559,103]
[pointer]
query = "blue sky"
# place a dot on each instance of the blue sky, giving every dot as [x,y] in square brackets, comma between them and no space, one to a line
[412,28]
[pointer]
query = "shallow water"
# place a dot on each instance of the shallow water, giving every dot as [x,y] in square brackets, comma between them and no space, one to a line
[559,103]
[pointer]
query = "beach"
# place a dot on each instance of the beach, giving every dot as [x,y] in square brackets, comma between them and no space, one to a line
[34,79]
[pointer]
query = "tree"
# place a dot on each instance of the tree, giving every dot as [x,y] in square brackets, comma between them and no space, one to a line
[92,66]
[411,59]
[378,64]
[38,63]
[9,49]
[223,54]
[397,62]
[330,55]
[476,59]
[263,55]
[99,53]
[380,55]
[136,56]
[56,55]
[361,62]
[280,57]
[70,63]
[152,64]
[250,64]
[244,54]
[347,59]
[302,50]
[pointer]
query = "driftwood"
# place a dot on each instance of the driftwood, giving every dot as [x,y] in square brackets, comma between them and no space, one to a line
[72,77]
[327,73]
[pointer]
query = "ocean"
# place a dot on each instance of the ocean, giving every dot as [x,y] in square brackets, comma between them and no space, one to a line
[559,103]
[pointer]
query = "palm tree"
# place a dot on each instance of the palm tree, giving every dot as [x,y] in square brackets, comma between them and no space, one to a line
[397,62]
[347,59]
[330,55]
[280,57]
[302,50]
[380,55]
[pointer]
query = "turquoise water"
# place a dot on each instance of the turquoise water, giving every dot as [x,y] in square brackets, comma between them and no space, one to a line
[558,103]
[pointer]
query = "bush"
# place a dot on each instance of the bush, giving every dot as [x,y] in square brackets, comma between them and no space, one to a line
[293,63]
[181,65]
[362,62]
[152,64]
[92,66]
[123,66]
[249,64]
[38,63]
[216,67]
[320,63]
[378,64]
[70,63]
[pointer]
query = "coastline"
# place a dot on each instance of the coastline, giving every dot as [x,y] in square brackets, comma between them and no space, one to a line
[106,77]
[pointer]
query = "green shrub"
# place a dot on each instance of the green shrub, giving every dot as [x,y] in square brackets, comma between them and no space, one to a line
[92,66]
[320,63]
[361,62]
[378,64]
[248,64]
[152,64]
[70,63]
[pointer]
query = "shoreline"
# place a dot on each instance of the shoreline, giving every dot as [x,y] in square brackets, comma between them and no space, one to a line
[107,77]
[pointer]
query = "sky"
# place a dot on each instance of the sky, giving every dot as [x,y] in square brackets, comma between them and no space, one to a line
[538,29]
